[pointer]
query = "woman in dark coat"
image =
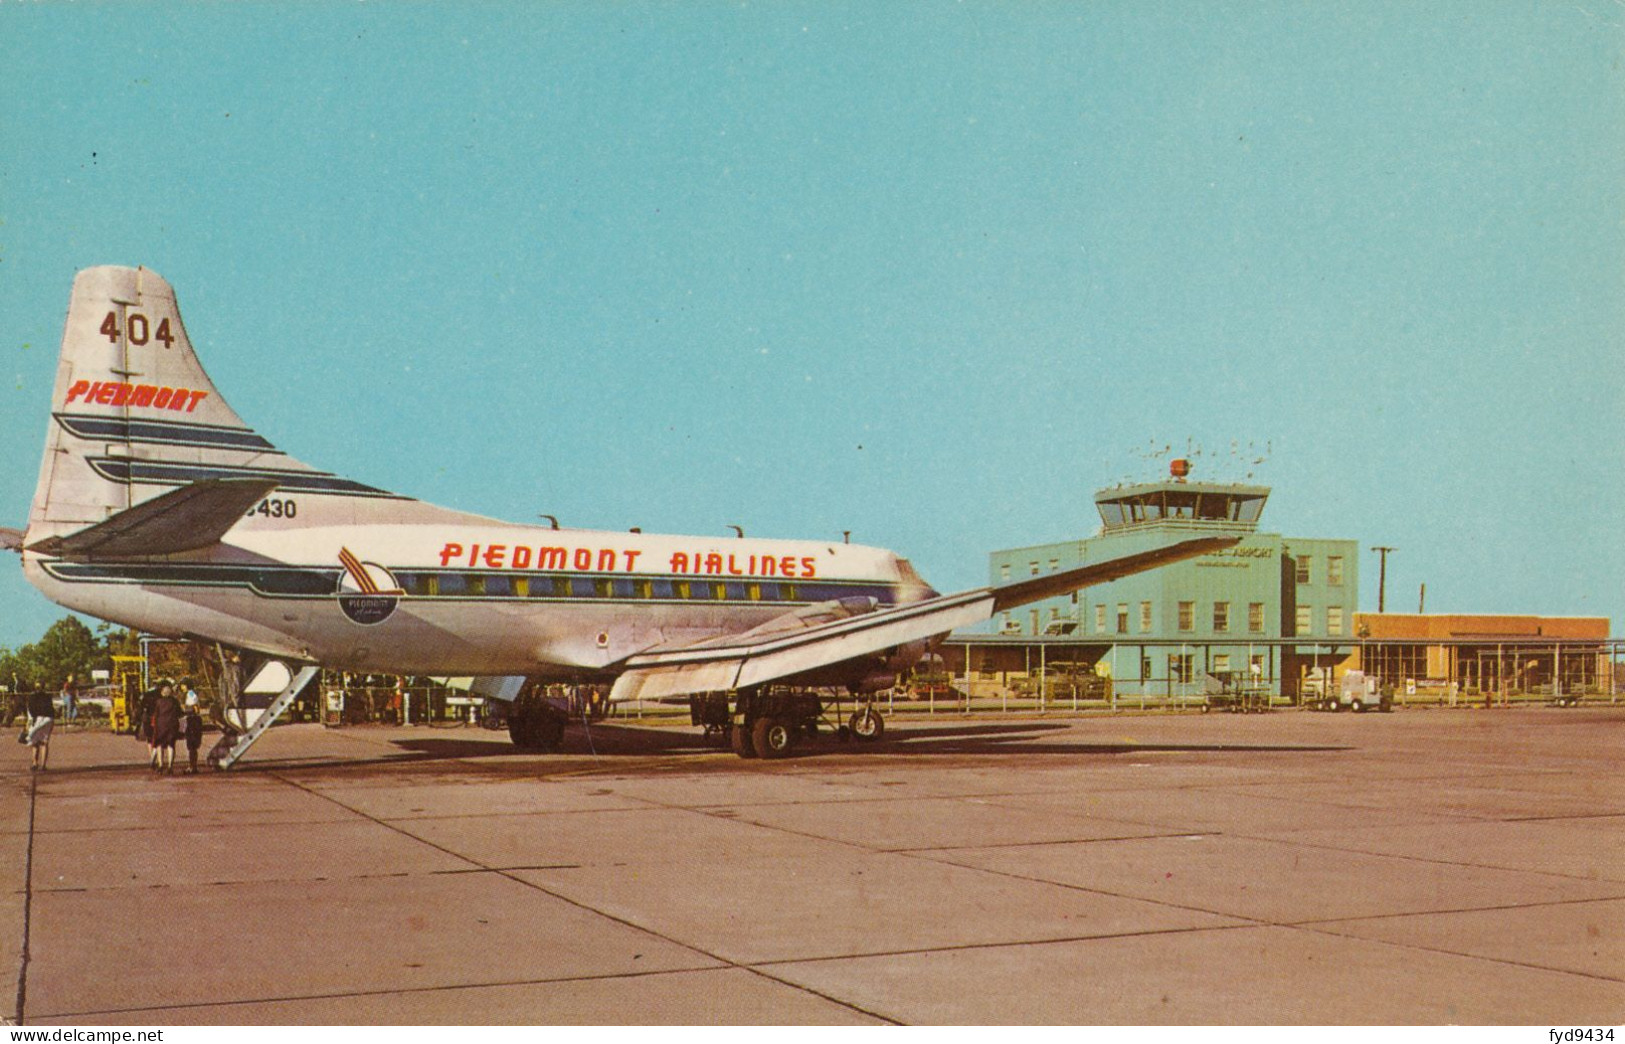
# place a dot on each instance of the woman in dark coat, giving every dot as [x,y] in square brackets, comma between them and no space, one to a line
[164,729]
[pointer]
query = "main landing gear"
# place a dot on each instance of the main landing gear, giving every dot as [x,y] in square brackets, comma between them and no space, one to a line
[766,723]
[535,724]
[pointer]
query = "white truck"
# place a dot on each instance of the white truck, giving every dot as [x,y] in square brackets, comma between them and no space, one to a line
[1356,693]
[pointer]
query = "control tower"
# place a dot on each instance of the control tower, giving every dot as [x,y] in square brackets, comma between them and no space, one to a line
[1272,606]
[1181,505]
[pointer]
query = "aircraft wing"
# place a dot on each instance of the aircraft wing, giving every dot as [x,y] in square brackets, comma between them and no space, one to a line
[183,519]
[833,632]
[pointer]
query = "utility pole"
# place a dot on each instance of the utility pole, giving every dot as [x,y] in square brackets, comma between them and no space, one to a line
[1382,577]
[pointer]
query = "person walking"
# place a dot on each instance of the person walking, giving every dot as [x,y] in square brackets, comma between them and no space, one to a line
[41,720]
[70,700]
[164,729]
[193,730]
[143,715]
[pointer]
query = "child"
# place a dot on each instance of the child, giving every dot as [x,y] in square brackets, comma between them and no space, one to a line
[193,730]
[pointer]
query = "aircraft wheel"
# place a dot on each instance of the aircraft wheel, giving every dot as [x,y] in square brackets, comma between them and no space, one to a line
[739,739]
[520,731]
[867,724]
[772,738]
[549,732]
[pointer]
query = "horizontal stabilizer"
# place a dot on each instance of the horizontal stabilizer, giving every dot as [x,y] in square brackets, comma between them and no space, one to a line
[184,519]
[10,539]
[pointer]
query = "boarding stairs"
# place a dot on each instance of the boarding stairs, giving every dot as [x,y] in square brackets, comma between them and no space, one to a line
[267,718]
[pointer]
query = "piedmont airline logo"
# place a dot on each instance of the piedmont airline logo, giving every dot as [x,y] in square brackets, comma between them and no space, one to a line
[367,592]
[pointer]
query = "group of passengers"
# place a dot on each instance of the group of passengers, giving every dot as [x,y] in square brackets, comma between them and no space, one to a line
[162,721]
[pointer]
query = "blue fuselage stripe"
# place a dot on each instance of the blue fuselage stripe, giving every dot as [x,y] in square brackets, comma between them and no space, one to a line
[447,585]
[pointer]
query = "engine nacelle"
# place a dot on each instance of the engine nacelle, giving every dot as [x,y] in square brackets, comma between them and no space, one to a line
[884,668]
[903,657]
[872,682]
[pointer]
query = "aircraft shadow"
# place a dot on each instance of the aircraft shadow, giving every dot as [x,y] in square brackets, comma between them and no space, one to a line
[623,741]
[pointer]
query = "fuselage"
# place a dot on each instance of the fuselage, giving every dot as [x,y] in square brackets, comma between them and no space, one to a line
[466,597]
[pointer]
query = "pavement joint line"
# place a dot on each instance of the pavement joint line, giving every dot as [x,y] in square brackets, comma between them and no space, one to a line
[1320,922]
[606,915]
[1185,907]
[1306,926]
[1457,953]
[1424,859]
[297,997]
[247,882]
[1164,832]
[23,956]
[1011,944]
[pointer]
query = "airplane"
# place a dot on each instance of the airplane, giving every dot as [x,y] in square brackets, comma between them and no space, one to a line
[160,509]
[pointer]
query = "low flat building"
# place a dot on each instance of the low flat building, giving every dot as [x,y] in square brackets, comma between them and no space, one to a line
[1479,653]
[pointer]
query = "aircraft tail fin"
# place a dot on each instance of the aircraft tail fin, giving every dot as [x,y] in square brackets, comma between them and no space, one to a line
[134,416]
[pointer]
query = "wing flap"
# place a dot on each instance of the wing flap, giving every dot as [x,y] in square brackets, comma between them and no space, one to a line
[183,519]
[781,649]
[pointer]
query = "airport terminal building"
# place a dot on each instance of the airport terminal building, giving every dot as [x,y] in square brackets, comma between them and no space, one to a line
[1270,612]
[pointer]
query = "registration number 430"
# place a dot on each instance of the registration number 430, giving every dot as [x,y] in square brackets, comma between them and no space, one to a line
[274,508]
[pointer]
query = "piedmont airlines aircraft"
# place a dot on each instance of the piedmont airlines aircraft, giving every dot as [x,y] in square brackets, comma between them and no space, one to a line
[158,508]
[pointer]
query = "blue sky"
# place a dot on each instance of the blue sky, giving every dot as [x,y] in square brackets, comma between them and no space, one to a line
[928,272]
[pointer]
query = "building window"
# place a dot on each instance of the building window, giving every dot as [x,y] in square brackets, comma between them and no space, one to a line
[1122,617]
[1054,613]
[1306,616]
[1221,663]
[1221,616]
[1179,667]
[1145,617]
[1334,569]
[1054,564]
[1255,666]
[1004,571]
[1187,616]
[1033,567]
[1303,568]
[1100,618]
[1145,668]
[1334,619]
[1255,617]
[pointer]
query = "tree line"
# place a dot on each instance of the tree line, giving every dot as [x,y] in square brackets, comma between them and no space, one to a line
[68,647]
